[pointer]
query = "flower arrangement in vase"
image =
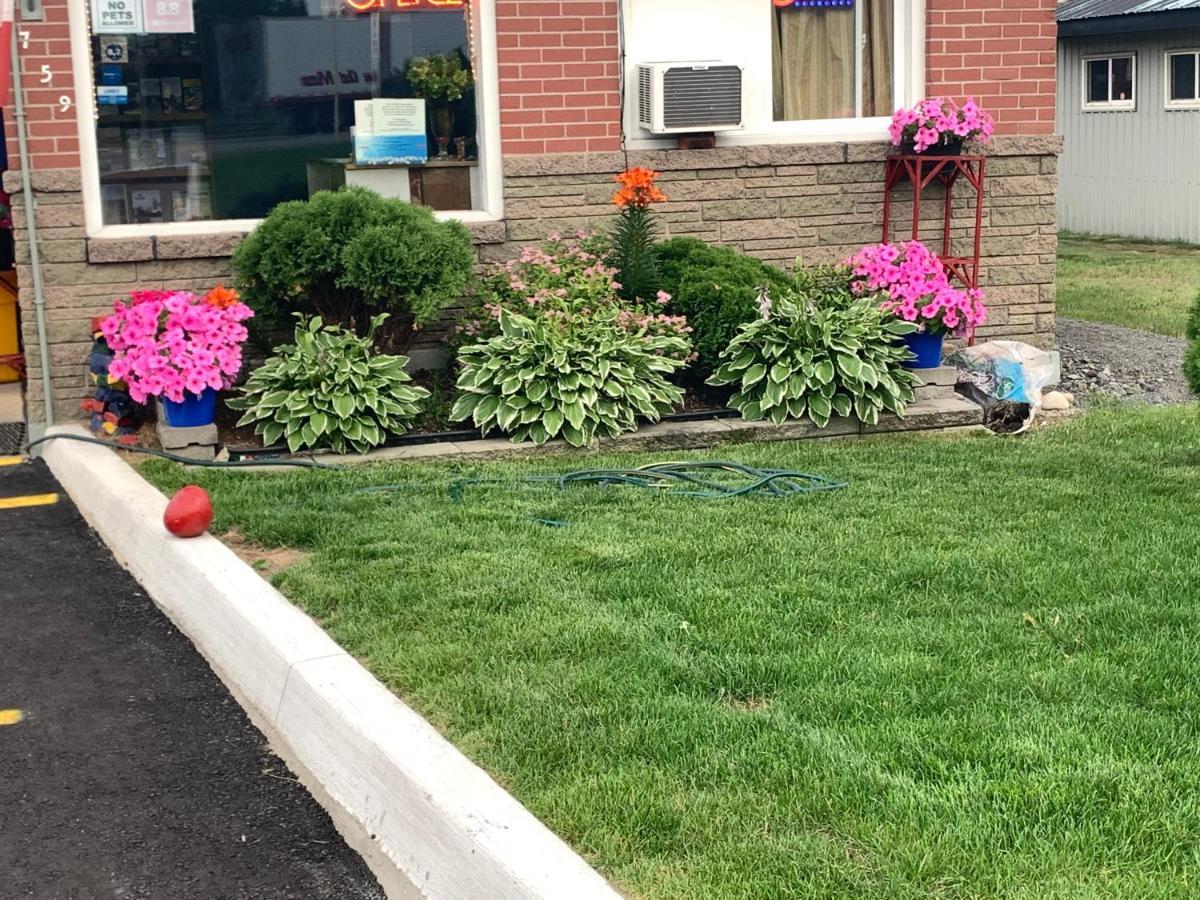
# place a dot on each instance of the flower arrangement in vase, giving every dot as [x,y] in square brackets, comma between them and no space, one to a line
[442,80]
[941,125]
[178,346]
[917,289]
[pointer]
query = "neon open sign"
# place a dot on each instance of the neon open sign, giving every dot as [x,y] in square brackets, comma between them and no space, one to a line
[368,5]
[815,4]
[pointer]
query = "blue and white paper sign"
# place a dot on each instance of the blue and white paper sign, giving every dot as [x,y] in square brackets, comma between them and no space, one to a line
[390,132]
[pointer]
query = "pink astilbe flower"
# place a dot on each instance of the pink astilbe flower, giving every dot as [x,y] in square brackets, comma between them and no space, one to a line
[917,288]
[567,280]
[169,344]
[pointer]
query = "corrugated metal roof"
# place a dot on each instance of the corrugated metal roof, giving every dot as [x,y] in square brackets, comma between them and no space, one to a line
[1094,9]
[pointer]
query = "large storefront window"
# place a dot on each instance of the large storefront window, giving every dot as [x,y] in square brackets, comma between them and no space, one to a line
[233,106]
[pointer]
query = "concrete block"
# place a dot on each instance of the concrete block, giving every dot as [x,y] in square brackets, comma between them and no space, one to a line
[197,442]
[671,436]
[199,246]
[934,392]
[928,414]
[941,375]
[802,154]
[120,250]
[729,210]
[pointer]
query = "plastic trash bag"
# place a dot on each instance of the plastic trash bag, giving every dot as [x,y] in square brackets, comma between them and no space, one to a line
[1006,378]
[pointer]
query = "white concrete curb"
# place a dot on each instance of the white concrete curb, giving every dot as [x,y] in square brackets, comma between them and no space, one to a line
[427,813]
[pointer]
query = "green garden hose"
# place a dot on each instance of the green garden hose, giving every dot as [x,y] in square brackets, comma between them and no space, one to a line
[185,460]
[701,480]
[698,479]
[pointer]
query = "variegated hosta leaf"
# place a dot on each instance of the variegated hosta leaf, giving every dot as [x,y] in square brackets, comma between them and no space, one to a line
[538,381]
[830,354]
[329,389]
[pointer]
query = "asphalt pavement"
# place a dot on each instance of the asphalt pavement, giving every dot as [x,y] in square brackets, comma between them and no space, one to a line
[126,768]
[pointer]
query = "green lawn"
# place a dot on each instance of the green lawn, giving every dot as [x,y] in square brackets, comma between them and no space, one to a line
[974,673]
[1136,284]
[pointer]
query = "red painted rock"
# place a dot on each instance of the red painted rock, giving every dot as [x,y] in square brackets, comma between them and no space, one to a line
[189,513]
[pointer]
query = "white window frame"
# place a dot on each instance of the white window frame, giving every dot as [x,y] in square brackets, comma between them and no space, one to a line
[1110,105]
[1168,103]
[487,88]
[908,80]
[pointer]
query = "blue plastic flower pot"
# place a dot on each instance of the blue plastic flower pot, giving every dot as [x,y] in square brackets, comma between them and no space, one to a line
[195,409]
[926,347]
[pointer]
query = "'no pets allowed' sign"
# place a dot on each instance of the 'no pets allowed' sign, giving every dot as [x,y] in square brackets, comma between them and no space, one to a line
[117,17]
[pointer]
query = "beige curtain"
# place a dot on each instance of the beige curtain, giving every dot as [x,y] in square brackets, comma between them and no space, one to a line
[877,58]
[814,61]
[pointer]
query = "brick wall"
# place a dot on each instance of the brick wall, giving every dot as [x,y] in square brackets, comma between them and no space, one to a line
[817,203]
[1001,52]
[53,134]
[559,75]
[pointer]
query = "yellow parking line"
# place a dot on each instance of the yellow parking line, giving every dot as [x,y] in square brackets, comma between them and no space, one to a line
[30,500]
[11,716]
[11,460]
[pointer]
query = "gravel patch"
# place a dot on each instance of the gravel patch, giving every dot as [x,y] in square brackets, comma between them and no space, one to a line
[1123,363]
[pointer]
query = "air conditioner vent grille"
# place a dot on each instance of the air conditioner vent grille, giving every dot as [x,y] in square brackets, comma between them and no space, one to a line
[645,85]
[700,98]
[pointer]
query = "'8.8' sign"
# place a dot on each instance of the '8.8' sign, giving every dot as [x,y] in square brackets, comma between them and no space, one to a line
[169,16]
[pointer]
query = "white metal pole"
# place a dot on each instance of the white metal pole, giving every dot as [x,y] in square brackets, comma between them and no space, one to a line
[35,258]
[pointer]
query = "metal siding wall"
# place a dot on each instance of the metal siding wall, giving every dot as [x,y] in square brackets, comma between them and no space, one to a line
[1135,173]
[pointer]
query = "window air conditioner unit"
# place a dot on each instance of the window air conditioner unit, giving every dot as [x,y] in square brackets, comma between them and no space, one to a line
[682,97]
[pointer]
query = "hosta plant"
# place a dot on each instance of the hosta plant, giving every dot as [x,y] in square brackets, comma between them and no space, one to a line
[329,388]
[835,356]
[574,376]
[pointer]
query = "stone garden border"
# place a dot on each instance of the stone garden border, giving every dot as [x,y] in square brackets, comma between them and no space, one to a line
[950,412]
[428,821]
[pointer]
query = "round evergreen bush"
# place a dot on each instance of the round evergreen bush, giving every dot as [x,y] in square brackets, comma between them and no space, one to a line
[350,255]
[717,289]
[1191,359]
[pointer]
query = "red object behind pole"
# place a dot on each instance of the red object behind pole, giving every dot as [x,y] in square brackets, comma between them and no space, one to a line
[7,18]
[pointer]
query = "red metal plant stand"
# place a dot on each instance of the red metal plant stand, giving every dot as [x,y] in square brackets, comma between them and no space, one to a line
[921,171]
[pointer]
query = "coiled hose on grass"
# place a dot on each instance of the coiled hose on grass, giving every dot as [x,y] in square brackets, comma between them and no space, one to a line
[698,479]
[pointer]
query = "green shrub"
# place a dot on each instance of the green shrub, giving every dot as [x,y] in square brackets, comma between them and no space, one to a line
[578,376]
[833,354]
[1191,358]
[716,289]
[330,389]
[348,256]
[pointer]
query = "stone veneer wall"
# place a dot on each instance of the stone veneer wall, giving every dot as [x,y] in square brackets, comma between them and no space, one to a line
[815,202]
